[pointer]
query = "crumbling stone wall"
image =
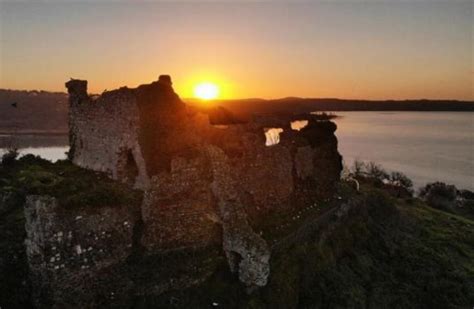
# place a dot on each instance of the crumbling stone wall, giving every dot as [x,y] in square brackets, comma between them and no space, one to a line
[67,248]
[178,210]
[203,184]
[104,133]
[247,253]
[89,257]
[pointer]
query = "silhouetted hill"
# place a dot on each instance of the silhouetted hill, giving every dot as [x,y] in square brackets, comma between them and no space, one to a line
[33,111]
[46,112]
[301,105]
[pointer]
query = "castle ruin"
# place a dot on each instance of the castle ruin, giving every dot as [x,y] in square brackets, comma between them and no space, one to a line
[203,184]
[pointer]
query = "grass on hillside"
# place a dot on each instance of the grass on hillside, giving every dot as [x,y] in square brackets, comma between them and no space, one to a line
[392,253]
[72,185]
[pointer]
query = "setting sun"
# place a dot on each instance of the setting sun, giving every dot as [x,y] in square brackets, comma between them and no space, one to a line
[206,91]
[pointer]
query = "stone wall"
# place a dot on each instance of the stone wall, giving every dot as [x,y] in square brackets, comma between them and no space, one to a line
[104,133]
[203,185]
[68,247]
[178,210]
[90,257]
[247,253]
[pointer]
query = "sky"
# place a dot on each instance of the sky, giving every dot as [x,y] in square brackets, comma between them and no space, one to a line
[397,49]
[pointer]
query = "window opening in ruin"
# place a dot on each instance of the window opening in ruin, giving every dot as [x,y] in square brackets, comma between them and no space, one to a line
[129,168]
[298,124]
[272,136]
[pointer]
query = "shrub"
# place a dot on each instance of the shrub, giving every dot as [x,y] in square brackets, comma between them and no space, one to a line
[466,194]
[359,168]
[376,171]
[10,156]
[439,195]
[399,179]
[371,170]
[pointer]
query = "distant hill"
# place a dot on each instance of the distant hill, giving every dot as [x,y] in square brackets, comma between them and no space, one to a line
[304,105]
[46,112]
[33,111]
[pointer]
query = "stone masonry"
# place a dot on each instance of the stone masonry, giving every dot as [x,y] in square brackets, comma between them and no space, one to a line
[203,184]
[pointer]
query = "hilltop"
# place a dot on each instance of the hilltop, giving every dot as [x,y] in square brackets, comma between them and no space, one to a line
[372,250]
[160,205]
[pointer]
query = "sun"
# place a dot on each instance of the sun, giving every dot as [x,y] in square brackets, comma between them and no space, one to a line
[206,91]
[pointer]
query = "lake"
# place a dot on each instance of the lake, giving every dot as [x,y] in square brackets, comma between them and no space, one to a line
[51,147]
[426,146]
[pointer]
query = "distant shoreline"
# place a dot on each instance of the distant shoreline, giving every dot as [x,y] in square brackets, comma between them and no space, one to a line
[33,132]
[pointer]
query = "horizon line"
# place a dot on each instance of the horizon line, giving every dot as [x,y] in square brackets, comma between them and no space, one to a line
[259,98]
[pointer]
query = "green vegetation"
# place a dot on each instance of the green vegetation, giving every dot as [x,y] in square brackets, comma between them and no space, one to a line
[389,253]
[370,172]
[72,185]
[399,254]
[10,156]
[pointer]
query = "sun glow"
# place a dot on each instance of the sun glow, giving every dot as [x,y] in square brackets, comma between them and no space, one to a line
[206,91]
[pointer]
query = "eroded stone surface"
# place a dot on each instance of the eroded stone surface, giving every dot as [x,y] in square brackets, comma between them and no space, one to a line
[178,209]
[68,247]
[246,251]
[104,133]
[203,185]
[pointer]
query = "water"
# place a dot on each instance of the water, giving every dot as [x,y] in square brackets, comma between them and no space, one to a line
[426,146]
[51,147]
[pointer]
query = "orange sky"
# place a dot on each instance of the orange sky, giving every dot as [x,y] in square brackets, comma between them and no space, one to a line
[366,50]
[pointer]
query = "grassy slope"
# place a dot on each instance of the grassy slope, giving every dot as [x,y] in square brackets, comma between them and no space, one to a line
[408,256]
[389,254]
[72,185]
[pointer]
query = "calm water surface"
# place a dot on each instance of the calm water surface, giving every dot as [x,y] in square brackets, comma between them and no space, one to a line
[427,146]
[51,147]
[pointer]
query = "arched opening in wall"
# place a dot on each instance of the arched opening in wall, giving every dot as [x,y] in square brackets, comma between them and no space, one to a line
[234,260]
[298,124]
[128,169]
[272,136]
